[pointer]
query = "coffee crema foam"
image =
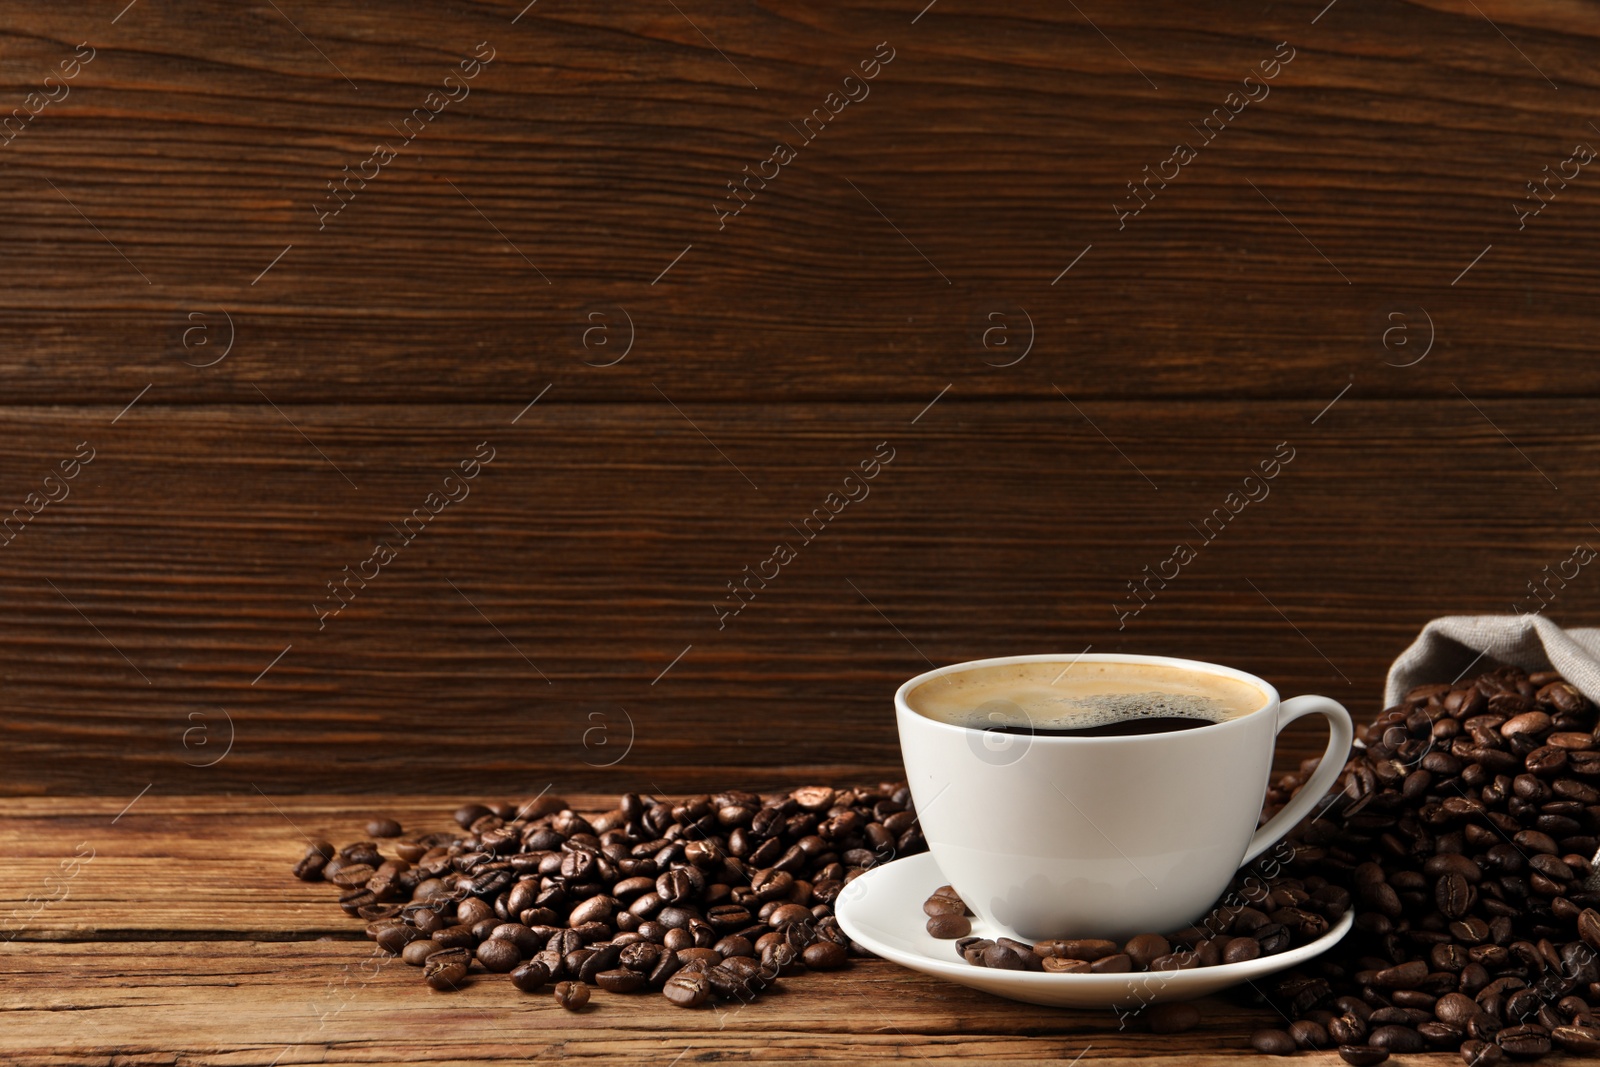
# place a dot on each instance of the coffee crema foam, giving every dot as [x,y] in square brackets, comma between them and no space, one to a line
[1068,696]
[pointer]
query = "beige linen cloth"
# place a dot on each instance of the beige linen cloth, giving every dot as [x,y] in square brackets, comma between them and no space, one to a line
[1450,647]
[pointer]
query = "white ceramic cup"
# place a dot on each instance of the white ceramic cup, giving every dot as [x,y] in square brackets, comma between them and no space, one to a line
[1050,836]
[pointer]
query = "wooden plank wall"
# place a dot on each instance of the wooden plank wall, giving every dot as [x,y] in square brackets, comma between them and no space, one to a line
[255,367]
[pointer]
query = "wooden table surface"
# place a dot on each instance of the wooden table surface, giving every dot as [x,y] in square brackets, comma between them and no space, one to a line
[185,940]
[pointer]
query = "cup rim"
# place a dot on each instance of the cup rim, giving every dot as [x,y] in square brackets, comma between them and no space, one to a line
[903,707]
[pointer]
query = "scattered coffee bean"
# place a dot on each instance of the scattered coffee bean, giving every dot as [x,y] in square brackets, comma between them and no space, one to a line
[619,981]
[1172,1018]
[572,995]
[687,990]
[1309,1034]
[530,977]
[1272,1042]
[825,956]
[446,970]
[734,880]
[499,956]
[417,952]
[1362,1055]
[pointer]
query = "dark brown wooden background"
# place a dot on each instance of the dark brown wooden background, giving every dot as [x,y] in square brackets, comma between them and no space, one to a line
[144,210]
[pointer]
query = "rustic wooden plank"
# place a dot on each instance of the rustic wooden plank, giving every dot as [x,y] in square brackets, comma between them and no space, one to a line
[185,940]
[558,602]
[317,1002]
[1398,141]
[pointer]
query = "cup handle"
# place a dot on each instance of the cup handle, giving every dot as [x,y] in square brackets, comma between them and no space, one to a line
[1340,734]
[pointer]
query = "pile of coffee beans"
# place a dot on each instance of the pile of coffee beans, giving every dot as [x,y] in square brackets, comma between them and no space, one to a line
[714,897]
[1257,917]
[1465,831]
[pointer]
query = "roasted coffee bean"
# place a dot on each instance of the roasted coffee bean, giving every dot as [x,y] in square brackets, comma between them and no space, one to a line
[1117,963]
[1589,927]
[572,995]
[1272,1042]
[825,955]
[1348,1029]
[310,868]
[383,828]
[1146,947]
[1173,1018]
[943,901]
[1584,1040]
[1362,1055]
[1241,950]
[352,875]
[1273,938]
[499,956]
[446,970]
[1307,1033]
[1524,1042]
[1455,1008]
[1441,1035]
[1060,965]
[687,990]
[1181,960]
[1076,949]
[948,927]
[1476,1053]
[1401,976]
[1400,1039]
[417,952]
[619,981]
[530,977]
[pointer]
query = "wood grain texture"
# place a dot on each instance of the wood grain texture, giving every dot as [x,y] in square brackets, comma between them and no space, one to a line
[1387,155]
[185,940]
[511,643]
[268,387]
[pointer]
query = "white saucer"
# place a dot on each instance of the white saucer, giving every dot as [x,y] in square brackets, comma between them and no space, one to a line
[882,912]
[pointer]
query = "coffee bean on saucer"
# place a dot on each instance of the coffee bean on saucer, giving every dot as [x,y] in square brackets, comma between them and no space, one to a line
[1076,948]
[1272,1042]
[1142,948]
[1241,950]
[1172,1018]
[944,901]
[1362,1055]
[949,926]
[1120,963]
[1057,965]
[571,995]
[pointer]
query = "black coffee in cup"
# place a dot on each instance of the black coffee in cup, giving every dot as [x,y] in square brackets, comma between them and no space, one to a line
[1091,699]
